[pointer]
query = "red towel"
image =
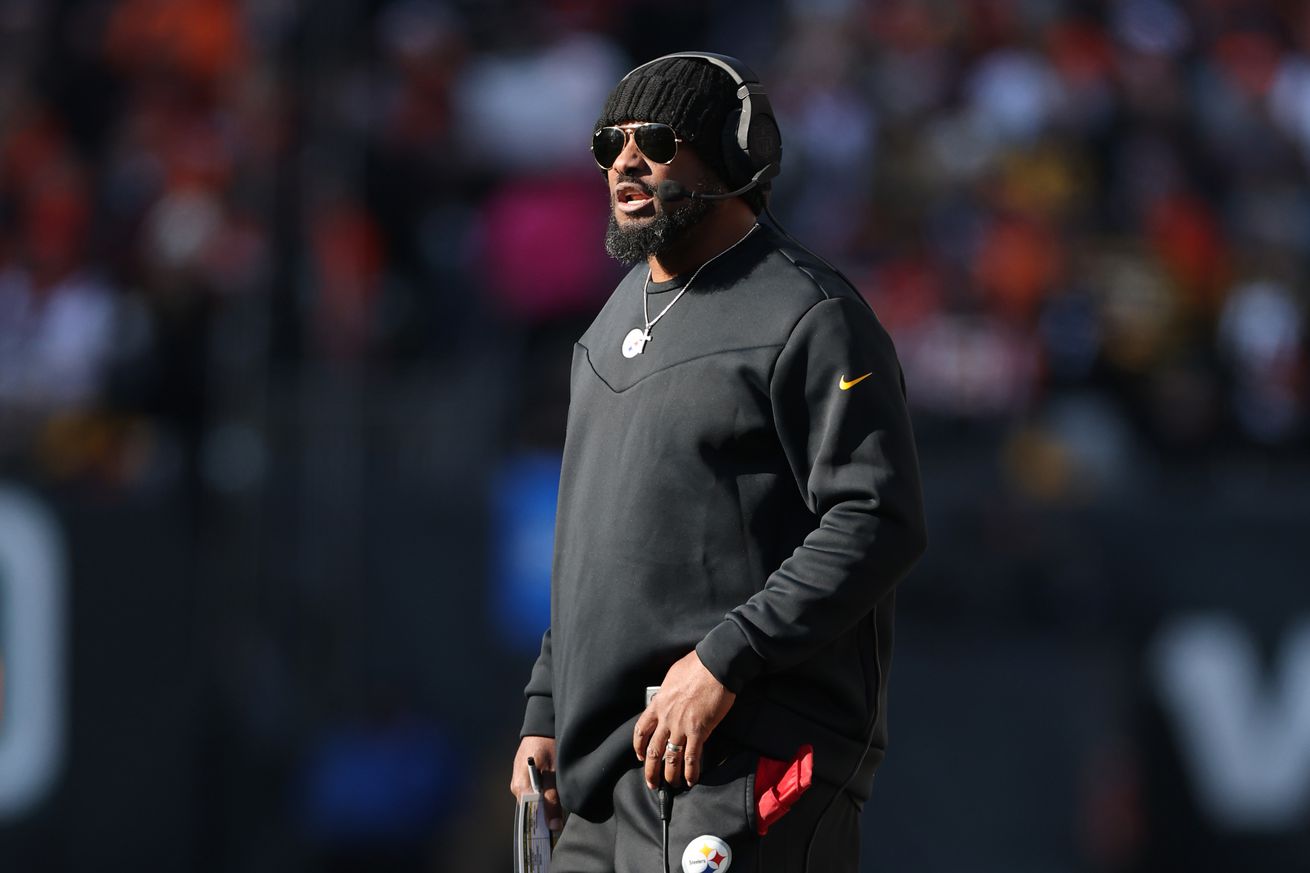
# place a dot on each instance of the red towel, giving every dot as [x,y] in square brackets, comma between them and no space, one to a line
[778,784]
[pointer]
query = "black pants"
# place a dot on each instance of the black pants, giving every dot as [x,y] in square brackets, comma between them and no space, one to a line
[820,834]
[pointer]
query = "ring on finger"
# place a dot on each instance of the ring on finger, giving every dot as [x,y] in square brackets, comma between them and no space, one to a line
[672,748]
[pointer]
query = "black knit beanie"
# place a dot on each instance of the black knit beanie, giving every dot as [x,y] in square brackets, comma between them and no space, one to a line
[690,95]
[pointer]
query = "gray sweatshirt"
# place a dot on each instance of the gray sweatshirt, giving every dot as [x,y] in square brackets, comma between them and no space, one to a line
[746,487]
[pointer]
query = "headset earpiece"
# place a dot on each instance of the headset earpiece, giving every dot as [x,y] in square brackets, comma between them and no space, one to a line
[740,162]
[765,143]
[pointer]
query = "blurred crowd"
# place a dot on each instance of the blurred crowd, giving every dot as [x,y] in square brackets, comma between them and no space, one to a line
[256,253]
[1087,222]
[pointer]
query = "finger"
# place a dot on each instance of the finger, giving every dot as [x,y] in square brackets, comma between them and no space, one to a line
[654,756]
[673,759]
[691,757]
[550,799]
[641,732]
[519,782]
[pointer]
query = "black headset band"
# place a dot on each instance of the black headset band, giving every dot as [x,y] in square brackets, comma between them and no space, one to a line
[740,73]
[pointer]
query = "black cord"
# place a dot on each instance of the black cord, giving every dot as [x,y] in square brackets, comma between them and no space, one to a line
[666,814]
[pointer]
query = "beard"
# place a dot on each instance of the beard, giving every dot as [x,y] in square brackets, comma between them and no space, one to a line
[636,243]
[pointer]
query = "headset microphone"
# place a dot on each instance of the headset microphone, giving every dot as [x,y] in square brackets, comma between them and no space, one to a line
[671,190]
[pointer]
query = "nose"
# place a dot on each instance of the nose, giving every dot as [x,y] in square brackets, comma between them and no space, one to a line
[631,162]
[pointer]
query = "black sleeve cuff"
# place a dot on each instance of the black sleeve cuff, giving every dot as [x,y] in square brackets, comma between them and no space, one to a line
[728,655]
[538,717]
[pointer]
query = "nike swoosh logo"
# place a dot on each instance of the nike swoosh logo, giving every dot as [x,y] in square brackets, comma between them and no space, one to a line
[846,386]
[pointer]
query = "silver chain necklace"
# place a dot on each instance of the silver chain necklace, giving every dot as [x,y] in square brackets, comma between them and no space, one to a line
[635,342]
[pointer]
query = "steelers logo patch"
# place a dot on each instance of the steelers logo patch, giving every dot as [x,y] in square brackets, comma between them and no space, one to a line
[706,854]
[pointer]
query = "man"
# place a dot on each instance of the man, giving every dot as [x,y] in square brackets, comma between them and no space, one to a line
[739,497]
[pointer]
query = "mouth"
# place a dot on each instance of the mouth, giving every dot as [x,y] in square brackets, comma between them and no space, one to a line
[632,199]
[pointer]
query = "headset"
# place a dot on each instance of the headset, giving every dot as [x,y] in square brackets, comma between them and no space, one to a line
[751,142]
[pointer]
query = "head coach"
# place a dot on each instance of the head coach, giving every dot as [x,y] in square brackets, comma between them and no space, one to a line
[738,500]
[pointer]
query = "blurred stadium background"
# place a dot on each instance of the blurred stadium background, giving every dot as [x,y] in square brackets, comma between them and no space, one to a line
[287,293]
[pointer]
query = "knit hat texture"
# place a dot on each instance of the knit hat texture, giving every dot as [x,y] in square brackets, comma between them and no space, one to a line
[691,96]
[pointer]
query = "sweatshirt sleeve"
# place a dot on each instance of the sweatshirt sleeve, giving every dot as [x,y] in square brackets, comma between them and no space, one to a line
[839,409]
[539,713]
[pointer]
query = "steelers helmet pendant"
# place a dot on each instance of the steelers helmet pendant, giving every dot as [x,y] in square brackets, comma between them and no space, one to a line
[635,342]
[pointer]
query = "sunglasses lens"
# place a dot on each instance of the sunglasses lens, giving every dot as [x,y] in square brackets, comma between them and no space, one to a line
[657,142]
[607,145]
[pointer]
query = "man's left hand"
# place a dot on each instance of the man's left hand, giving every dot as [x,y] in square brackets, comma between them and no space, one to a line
[689,706]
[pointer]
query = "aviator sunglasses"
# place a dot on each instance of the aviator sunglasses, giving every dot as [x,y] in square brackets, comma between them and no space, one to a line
[656,141]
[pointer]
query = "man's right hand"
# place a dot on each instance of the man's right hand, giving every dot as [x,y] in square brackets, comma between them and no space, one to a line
[542,751]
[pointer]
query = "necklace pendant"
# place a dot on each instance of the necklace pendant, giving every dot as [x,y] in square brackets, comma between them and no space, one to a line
[635,342]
